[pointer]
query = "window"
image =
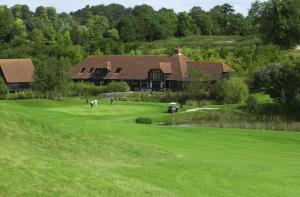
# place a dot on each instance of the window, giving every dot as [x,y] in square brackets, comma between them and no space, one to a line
[82,70]
[156,75]
[91,70]
[118,70]
[100,72]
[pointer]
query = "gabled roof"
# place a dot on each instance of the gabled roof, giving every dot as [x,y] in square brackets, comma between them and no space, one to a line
[17,70]
[213,69]
[133,67]
[166,67]
[137,67]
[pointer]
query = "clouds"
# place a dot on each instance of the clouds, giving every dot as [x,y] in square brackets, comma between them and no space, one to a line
[178,5]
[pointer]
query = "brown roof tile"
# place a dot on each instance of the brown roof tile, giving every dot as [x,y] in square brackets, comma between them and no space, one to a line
[138,67]
[166,67]
[213,69]
[17,70]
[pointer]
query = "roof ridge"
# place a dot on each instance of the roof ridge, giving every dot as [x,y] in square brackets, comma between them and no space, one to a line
[206,61]
[16,59]
[128,56]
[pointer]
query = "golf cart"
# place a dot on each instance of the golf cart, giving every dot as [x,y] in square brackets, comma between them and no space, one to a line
[173,108]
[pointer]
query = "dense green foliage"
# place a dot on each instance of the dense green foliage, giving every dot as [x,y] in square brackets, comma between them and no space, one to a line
[3,88]
[108,29]
[98,29]
[51,77]
[117,87]
[143,120]
[252,104]
[280,81]
[89,89]
[65,148]
[232,90]
[278,21]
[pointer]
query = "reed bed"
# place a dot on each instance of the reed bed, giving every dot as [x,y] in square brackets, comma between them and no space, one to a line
[236,120]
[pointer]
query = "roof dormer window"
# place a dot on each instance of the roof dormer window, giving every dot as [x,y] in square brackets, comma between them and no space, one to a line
[82,70]
[118,70]
[91,70]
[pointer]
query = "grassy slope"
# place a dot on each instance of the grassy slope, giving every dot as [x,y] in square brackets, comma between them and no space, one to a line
[65,148]
[202,41]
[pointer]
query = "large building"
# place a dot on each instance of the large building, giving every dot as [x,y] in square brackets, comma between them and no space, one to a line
[17,73]
[146,72]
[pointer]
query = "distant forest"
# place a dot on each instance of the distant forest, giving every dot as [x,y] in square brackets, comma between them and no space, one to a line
[115,29]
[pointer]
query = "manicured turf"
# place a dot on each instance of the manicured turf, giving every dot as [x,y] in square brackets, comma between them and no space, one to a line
[64,148]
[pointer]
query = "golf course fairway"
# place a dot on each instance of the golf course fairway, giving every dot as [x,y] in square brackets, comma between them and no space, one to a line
[65,148]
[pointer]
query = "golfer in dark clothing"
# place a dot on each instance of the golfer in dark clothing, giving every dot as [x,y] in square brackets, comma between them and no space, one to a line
[111,101]
[92,104]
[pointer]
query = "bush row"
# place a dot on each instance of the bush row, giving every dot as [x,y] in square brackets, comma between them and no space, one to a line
[88,89]
[143,120]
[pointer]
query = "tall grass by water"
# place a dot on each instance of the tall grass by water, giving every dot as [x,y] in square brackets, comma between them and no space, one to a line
[231,119]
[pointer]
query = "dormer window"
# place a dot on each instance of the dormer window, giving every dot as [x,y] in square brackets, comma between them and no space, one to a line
[118,70]
[156,75]
[82,70]
[91,70]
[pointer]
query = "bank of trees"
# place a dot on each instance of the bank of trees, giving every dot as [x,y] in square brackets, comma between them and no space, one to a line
[281,82]
[277,21]
[109,29]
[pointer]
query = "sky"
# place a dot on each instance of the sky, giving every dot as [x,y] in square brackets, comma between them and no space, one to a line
[241,6]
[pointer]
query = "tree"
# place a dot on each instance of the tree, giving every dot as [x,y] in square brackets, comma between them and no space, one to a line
[232,90]
[145,21]
[114,12]
[51,77]
[21,11]
[185,25]
[254,15]
[252,104]
[279,22]
[202,20]
[223,16]
[113,34]
[3,88]
[168,21]
[127,29]
[6,24]
[281,82]
[227,22]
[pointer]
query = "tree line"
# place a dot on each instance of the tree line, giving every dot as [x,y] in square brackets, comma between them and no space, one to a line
[105,29]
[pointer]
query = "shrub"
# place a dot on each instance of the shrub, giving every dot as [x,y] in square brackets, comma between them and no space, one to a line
[89,89]
[3,89]
[143,120]
[117,87]
[51,77]
[252,104]
[233,90]
[26,94]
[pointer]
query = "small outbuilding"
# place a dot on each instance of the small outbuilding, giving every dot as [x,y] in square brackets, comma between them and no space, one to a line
[17,73]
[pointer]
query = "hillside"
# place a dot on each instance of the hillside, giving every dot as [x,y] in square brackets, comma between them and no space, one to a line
[65,148]
[202,41]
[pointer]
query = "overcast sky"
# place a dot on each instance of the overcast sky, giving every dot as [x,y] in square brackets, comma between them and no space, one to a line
[178,5]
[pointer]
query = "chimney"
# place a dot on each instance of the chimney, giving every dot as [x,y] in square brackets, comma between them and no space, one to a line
[178,50]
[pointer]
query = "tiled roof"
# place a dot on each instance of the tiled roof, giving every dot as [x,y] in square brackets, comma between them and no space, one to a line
[138,67]
[213,69]
[17,70]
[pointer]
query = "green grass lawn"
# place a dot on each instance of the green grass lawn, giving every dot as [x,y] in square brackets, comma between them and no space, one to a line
[65,148]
